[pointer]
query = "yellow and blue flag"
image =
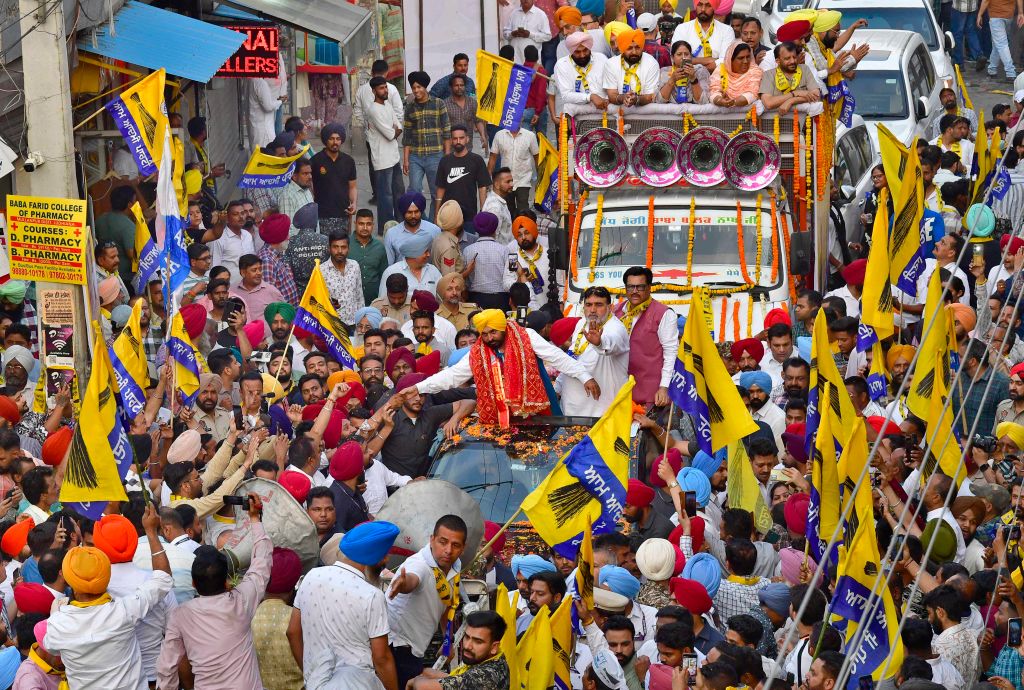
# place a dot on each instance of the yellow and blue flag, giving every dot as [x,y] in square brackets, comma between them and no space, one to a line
[824,370]
[316,315]
[943,448]
[264,171]
[878,377]
[986,158]
[536,654]
[743,489]
[141,116]
[563,639]
[128,362]
[586,490]
[876,319]
[186,360]
[701,386]
[895,157]
[547,171]
[878,646]
[147,254]
[823,509]
[502,88]
[505,606]
[905,260]
[962,94]
[100,451]
[933,361]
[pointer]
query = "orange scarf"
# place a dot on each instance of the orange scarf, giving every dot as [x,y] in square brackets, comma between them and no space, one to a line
[511,387]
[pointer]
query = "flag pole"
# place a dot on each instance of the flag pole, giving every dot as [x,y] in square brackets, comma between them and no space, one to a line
[291,331]
[493,539]
[668,425]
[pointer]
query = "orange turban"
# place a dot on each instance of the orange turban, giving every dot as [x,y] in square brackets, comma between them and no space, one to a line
[87,570]
[349,376]
[525,222]
[569,16]
[897,351]
[965,315]
[56,445]
[626,38]
[333,380]
[116,537]
[16,537]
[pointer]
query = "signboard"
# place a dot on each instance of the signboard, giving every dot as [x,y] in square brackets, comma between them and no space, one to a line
[57,360]
[46,239]
[257,57]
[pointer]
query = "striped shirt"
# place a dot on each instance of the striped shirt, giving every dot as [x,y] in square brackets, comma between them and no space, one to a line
[426,126]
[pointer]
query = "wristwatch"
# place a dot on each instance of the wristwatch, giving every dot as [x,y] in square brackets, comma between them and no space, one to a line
[673,485]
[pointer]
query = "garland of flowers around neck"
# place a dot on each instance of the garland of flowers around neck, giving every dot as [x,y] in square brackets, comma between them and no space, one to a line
[822,161]
[597,235]
[563,165]
[650,231]
[775,130]
[689,241]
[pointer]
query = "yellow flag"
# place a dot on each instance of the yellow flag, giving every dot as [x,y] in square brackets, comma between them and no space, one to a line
[823,509]
[141,116]
[943,447]
[505,606]
[965,97]
[536,654]
[586,490]
[264,171]
[316,315]
[186,360]
[585,570]
[824,369]
[502,87]
[987,161]
[99,447]
[743,489]
[701,385]
[905,260]
[547,174]
[178,170]
[876,300]
[895,157]
[563,640]
[128,361]
[933,360]
[880,645]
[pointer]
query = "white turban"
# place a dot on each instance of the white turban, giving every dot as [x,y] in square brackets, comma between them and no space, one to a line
[656,559]
[22,355]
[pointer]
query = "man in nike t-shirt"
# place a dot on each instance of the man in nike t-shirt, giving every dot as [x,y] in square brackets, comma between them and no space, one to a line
[462,175]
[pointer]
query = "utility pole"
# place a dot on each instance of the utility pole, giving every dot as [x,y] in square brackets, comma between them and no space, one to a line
[47,94]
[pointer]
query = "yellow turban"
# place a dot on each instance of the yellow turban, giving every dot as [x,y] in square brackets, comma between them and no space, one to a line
[827,19]
[87,569]
[569,16]
[193,181]
[349,376]
[809,15]
[625,38]
[1015,432]
[897,351]
[272,388]
[674,3]
[612,29]
[490,318]
[334,379]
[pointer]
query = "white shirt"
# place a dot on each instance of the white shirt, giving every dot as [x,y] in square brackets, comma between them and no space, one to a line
[125,581]
[186,542]
[38,515]
[945,674]
[648,72]
[229,248]
[534,21]
[721,36]
[378,480]
[543,264]
[427,280]
[499,207]
[444,331]
[997,273]
[607,362]
[772,367]
[517,151]
[364,97]
[945,514]
[966,150]
[852,303]
[99,645]
[568,84]
[381,121]
[414,616]
[956,271]
[263,106]
[772,415]
[341,613]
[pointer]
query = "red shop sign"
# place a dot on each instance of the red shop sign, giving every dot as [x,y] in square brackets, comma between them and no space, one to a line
[257,57]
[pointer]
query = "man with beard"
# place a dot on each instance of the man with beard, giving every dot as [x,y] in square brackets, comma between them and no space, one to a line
[707,37]
[276,271]
[339,627]
[280,316]
[1012,408]
[311,389]
[236,241]
[297,193]
[316,363]
[444,330]
[452,308]
[347,471]
[280,367]
[796,380]
[951,106]
[747,354]
[647,523]
[826,40]
[371,372]
[334,180]
[414,264]
[578,75]
[224,366]
[342,277]
[532,257]
[497,203]
[20,310]
[395,303]
[632,78]
[461,106]
[600,343]
[411,206]
[790,83]
[211,418]
[546,590]
[18,362]
[462,176]
[423,333]
[485,667]
[954,641]
[759,388]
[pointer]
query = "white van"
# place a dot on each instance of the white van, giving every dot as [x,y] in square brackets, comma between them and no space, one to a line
[896,84]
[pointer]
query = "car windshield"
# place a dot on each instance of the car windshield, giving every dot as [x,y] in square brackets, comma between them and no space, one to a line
[500,467]
[915,19]
[791,5]
[624,242]
[880,95]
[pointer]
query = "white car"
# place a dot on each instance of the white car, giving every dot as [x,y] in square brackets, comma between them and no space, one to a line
[773,15]
[855,155]
[900,15]
[895,84]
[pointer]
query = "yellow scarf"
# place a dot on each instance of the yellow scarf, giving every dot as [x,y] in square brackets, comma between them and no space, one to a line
[634,313]
[580,343]
[532,261]
[741,580]
[783,84]
[104,599]
[705,38]
[34,657]
[724,80]
[582,74]
[955,148]
[630,78]
[462,669]
[424,349]
[448,592]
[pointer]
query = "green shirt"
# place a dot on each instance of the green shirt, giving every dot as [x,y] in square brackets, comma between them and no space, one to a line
[116,227]
[372,260]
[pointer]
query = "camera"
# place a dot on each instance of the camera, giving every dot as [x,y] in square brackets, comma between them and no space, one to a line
[33,160]
[984,442]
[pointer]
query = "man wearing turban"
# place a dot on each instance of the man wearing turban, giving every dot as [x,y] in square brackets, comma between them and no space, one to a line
[578,75]
[276,270]
[426,136]
[452,308]
[414,264]
[14,305]
[95,634]
[334,180]
[708,37]
[412,206]
[505,363]
[532,260]
[631,78]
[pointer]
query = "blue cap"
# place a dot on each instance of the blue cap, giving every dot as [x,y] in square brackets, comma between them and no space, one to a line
[369,543]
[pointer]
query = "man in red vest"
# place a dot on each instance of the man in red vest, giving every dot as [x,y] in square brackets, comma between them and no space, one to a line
[653,338]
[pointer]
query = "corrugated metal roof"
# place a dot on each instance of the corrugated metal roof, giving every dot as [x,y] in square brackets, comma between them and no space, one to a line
[155,38]
[334,19]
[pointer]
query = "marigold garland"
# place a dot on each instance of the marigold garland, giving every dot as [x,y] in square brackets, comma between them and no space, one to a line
[597,235]
[563,163]
[750,316]
[758,243]
[735,320]
[741,248]
[650,231]
[575,239]
[687,289]
[775,130]
[725,312]
[823,158]
[689,241]
[808,166]
[797,177]
[775,239]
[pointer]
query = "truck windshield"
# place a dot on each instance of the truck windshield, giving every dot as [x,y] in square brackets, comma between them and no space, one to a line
[880,94]
[624,241]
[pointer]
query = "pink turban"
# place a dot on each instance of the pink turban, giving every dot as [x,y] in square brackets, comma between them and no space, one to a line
[573,41]
[255,331]
[722,7]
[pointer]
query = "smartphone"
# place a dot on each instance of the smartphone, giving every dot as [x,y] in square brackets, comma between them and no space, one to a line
[690,503]
[230,308]
[1013,534]
[513,263]
[790,680]
[690,663]
[236,501]
[865,683]
[778,475]
[1013,632]
[163,416]
[10,492]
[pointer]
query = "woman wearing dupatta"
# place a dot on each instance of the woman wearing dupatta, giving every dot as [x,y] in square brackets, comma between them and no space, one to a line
[736,80]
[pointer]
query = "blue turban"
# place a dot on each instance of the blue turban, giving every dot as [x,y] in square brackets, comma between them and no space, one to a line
[371,313]
[307,217]
[681,325]
[704,568]
[756,378]
[594,7]
[619,580]
[531,565]
[369,543]
[279,422]
[332,128]
[803,346]
[776,597]
[486,224]
[415,245]
[409,198]
[10,660]
[456,355]
[708,464]
[692,479]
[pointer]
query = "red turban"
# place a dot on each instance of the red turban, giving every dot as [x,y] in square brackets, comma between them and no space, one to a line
[32,597]
[193,316]
[777,316]
[296,483]
[9,409]
[429,364]
[355,390]
[1017,370]
[794,31]
[795,512]
[115,536]
[332,434]
[751,346]
[853,274]
[490,529]
[255,331]
[691,595]
[310,412]
[274,228]
[56,445]
[285,568]
[696,534]
[397,355]
[675,461]
[639,494]
[425,301]
[883,427]
[16,537]
[347,462]
[1016,244]
[562,329]
[409,380]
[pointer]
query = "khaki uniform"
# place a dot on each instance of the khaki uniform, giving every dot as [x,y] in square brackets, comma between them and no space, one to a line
[217,424]
[401,315]
[460,318]
[446,255]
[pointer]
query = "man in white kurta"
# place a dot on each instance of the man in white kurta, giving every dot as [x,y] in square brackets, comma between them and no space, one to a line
[704,34]
[600,343]
[579,76]
[527,26]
